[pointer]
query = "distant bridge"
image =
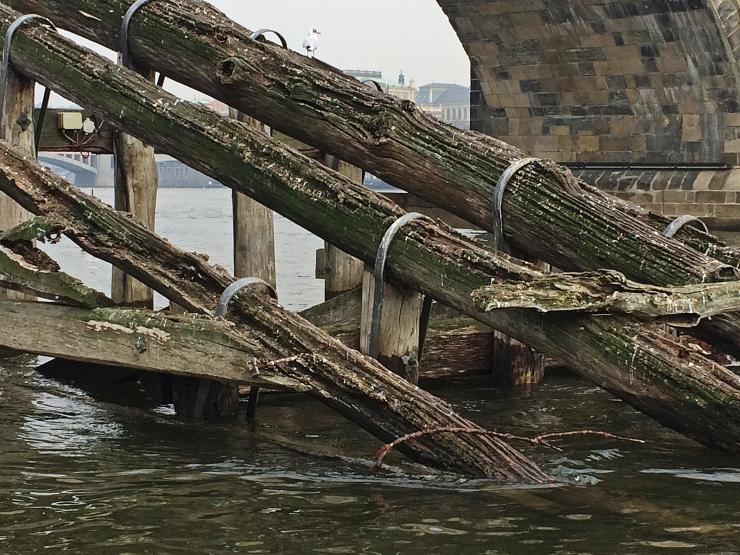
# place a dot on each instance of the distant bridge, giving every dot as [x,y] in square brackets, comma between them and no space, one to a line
[82,170]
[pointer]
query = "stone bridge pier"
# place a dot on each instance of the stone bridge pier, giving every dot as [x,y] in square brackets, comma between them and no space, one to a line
[640,97]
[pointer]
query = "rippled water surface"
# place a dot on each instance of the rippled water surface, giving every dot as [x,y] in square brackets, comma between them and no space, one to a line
[104,470]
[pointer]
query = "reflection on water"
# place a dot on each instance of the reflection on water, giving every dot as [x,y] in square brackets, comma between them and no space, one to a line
[106,471]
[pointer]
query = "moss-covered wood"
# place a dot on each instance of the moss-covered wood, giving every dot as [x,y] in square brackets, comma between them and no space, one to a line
[426,256]
[317,104]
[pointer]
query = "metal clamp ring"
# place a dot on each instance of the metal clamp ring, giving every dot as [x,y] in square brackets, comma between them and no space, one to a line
[379,274]
[676,225]
[262,32]
[125,52]
[374,82]
[221,309]
[5,70]
[223,303]
[498,199]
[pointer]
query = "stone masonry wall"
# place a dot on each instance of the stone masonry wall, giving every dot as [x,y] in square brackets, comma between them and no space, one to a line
[618,82]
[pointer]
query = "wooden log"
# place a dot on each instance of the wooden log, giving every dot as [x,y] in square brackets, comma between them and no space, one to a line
[317,104]
[356,386]
[187,345]
[343,273]
[643,367]
[135,186]
[16,128]
[692,234]
[398,338]
[254,238]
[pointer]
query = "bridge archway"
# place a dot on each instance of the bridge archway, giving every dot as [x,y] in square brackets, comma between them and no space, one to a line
[642,93]
[84,174]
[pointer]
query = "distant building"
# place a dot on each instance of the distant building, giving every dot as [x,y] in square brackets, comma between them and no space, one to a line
[447,102]
[397,88]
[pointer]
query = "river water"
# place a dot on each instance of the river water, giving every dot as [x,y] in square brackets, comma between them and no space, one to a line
[104,470]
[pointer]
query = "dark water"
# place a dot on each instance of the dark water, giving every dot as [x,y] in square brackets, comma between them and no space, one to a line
[105,471]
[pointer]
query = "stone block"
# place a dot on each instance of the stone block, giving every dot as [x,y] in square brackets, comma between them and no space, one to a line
[710,197]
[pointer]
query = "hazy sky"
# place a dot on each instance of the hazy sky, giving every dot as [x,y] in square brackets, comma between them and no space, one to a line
[387,35]
[390,35]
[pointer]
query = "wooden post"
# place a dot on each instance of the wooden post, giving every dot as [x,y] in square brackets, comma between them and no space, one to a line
[514,363]
[254,229]
[16,128]
[399,326]
[343,272]
[254,240]
[135,192]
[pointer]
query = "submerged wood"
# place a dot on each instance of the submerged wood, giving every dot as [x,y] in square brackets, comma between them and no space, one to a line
[313,102]
[644,367]
[355,386]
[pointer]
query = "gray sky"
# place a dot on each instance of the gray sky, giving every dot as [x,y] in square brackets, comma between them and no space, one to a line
[390,35]
[387,35]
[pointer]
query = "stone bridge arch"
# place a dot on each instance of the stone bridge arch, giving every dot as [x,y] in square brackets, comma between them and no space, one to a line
[641,96]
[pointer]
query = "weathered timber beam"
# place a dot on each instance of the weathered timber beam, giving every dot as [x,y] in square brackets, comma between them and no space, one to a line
[355,386]
[26,269]
[642,366]
[691,234]
[186,345]
[317,104]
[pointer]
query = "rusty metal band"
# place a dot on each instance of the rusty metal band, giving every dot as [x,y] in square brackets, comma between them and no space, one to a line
[677,224]
[262,32]
[222,308]
[498,199]
[5,70]
[379,275]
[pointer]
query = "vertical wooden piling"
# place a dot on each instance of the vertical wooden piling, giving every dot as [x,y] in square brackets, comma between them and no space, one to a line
[17,128]
[254,240]
[135,184]
[343,272]
[514,363]
[399,327]
[254,229]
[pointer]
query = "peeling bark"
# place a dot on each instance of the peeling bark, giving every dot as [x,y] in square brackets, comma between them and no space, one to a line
[609,292]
